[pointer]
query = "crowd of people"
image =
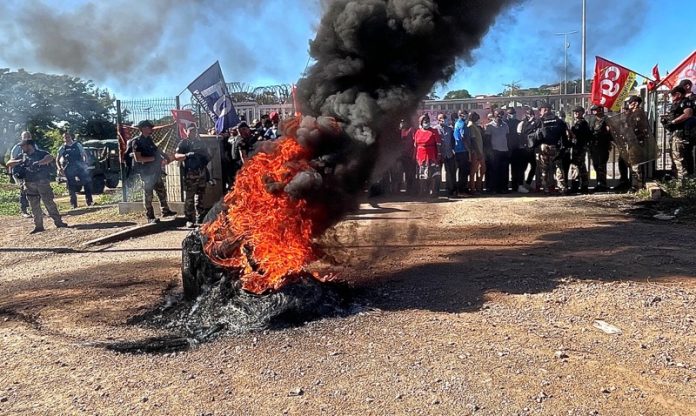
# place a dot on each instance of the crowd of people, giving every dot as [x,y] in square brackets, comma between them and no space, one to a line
[538,152]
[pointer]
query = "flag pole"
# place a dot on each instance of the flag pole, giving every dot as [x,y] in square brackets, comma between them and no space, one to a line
[629,70]
[675,68]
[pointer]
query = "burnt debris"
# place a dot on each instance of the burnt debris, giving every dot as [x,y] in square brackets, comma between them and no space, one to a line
[214,304]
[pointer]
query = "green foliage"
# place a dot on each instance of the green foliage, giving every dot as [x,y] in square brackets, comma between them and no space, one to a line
[9,196]
[52,140]
[41,102]
[109,197]
[457,94]
[681,189]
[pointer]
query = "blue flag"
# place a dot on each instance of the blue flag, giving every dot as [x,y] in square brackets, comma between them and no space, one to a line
[210,91]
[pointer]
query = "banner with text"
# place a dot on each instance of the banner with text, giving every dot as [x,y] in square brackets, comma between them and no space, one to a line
[612,84]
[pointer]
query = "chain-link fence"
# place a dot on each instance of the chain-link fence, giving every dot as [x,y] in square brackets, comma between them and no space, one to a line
[159,112]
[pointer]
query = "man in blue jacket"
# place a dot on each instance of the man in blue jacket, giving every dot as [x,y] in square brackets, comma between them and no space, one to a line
[462,144]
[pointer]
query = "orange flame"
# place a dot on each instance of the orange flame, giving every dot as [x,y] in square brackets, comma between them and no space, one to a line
[265,232]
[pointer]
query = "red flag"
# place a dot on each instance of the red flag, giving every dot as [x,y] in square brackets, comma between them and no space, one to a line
[656,74]
[124,133]
[163,136]
[611,84]
[184,119]
[685,70]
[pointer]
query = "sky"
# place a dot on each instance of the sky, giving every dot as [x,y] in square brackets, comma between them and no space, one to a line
[155,48]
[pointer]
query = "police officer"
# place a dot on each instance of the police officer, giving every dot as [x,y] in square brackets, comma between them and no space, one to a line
[148,161]
[637,141]
[681,113]
[580,136]
[551,134]
[71,160]
[34,169]
[194,157]
[600,145]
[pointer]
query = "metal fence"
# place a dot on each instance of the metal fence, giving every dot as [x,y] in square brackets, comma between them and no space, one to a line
[157,110]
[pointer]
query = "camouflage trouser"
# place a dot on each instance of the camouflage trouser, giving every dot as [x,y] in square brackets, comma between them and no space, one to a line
[37,192]
[679,153]
[154,183]
[578,169]
[194,190]
[550,166]
[636,172]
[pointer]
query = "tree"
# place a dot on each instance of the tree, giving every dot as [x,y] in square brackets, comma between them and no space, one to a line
[512,89]
[457,94]
[41,103]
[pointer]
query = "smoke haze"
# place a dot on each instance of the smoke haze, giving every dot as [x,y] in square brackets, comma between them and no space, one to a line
[375,61]
[135,43]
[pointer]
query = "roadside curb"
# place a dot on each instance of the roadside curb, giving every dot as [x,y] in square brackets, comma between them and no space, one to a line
[138,231]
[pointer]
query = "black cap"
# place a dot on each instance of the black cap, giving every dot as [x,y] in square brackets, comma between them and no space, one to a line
[579,109]
[241,125]
[635,99]
[596,107]
[26,142]
[511,110]
[145,123]
[545,105]
[678,89]
[685,82]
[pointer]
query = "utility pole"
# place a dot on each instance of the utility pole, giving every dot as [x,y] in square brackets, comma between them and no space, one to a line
[566,45]
[584,45]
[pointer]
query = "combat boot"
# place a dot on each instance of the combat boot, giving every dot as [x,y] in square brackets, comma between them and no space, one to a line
[168,213]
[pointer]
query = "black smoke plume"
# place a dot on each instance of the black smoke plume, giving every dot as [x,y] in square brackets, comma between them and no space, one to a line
[375,62]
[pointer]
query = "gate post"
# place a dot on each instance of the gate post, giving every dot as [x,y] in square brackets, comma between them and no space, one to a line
[119,120]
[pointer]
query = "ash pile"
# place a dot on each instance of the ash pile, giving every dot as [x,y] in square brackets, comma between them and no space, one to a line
[214,304]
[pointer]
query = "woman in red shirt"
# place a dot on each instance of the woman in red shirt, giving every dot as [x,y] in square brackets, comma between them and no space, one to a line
[427,143]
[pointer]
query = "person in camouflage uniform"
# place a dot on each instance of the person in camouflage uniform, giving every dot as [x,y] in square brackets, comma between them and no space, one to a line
[194,157]
[33,169]
[148,162]
[551,133]
[580,136]
[679,118]
[636,144]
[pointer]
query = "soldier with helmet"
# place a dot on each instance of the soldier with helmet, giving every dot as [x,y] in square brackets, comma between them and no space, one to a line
[637,140]
[600,145]
[676,123]
[550,135]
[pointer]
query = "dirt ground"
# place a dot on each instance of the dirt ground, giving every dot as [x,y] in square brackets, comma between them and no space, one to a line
[479,306]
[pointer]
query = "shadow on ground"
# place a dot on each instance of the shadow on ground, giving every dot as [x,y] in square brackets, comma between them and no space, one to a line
[611,251]
[465,264]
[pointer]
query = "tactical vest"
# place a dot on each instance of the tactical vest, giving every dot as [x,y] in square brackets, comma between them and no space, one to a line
[71,154]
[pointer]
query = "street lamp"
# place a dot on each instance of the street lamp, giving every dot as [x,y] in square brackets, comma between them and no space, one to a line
[584,45]
[566,45]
